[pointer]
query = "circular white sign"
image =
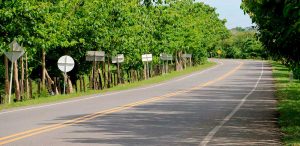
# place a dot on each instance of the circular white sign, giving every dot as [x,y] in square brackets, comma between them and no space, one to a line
[65,63]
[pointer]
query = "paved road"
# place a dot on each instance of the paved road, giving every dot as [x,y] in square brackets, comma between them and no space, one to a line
[230,104]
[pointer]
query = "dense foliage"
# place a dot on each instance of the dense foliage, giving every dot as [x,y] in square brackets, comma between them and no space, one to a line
[242,44]
[278,23]
[133,28]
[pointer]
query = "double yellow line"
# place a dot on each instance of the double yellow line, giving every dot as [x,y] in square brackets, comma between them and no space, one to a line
[32,132]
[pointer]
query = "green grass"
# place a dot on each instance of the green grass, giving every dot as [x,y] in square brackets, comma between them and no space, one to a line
[288,93]
[154,80]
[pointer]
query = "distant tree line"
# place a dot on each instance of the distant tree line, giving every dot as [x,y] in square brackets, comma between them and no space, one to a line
[242,43]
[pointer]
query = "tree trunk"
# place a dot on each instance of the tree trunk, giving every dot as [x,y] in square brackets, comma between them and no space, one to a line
[17,86]
[83,81]
[167,67]
[22,77]
[43,68]
[26,77]
[116,79]
[104,75]
[80,83]
[70,85]
[30,89]
[56,85]
[108,72]
[178,60]
[100,79]
[118,73]
[145,71]
[39,87]
[6,76]
[94,75]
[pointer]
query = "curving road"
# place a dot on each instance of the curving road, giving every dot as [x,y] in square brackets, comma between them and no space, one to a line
[230,104]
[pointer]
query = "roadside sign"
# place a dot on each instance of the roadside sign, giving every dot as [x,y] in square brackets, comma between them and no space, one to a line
[219,52]
[65,63]
[14,55]
[95,56]
[187,55]
[166,57]
[118,59]
[147,57]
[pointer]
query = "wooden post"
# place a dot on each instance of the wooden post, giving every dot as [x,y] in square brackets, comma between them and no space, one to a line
[43,68]
[39,87]
[80,83]
[108,72]
[83,81]
[22,78]
[30,88]
[6,76]
[118,72]
[104,75]
[100,80]
[90,81]
[116,80]
[17,85]
[26,77]
[59,85]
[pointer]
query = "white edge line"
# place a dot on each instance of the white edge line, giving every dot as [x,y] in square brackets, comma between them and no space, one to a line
[211,134]
[124,91]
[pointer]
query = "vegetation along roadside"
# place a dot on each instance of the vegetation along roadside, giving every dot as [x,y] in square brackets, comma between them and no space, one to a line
[288,93]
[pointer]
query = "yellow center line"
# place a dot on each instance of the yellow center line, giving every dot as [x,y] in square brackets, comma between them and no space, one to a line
[28,133]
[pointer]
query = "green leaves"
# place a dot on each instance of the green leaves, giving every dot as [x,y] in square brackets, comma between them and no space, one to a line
[278,25]
[114,26]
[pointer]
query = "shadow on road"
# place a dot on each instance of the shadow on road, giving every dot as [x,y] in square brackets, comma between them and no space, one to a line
[186,119]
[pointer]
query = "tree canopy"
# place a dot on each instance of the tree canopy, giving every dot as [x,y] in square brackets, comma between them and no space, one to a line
[278,23]
[132,28]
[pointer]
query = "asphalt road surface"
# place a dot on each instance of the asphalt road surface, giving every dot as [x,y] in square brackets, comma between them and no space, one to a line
[232,103]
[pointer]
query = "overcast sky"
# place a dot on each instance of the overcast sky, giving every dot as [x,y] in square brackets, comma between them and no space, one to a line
[230,10]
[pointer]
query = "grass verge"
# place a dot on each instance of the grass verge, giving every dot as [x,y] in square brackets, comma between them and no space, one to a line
[288,93]
[154,80]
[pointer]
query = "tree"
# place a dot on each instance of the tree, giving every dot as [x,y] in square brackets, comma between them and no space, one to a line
[278,23]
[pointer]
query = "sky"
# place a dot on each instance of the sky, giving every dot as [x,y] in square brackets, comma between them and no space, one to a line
[230,10]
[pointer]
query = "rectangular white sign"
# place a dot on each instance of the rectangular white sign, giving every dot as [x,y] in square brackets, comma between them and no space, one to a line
[118,59]
[95,56]
[187,55]
[147,57]
[166,57]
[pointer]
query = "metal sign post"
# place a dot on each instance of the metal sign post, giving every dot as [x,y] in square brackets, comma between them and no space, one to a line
[118,59]
[65,64]
[147,58]
[14,55]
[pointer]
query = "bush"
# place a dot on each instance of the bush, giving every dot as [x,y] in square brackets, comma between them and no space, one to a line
[296,72]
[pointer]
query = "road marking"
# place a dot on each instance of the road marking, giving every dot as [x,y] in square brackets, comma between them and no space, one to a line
[232,100]
[108,94]
[211,134]
[32,132]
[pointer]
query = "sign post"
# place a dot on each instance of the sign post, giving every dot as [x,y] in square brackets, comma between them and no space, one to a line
[188,56]
[14,55]
[95,56]
[147,58]
[166,57]
[118,59]
[65,64]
